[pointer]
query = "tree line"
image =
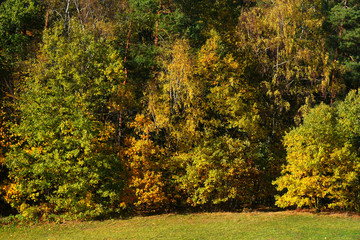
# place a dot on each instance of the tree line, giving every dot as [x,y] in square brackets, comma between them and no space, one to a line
[158,105]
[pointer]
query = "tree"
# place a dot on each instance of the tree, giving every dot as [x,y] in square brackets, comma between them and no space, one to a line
[144,27]
[322,159]
[165,128]
[20,24]
[220,166]
[20,27]
[283,45]
[284,39]
[342,24]
[95,13]
[149,186]
[206,15]
[67,159]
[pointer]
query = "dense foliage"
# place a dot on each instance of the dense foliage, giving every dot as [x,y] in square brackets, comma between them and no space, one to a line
[111,106]
[322,155]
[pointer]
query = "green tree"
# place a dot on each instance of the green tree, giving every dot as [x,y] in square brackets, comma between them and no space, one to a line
[142,29]
[20,22]
[67,160]
[20,28]
[343,28]
[206,15]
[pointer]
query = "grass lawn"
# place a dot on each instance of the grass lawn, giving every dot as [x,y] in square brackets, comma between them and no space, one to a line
[256,225]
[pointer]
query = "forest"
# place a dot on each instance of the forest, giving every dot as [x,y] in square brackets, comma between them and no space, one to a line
[117,106]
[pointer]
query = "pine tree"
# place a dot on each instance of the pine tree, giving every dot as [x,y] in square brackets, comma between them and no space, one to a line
[343,27]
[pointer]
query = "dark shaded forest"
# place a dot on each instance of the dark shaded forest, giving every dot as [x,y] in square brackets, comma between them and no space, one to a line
[117,106]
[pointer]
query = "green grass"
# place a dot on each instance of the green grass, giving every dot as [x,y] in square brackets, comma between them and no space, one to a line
[277,225]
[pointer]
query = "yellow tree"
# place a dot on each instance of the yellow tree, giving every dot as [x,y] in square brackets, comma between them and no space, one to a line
[222,166]
[323,164]
[284,39]
[166,128]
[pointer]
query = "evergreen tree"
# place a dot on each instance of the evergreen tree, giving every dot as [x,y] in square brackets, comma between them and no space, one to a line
[343,25]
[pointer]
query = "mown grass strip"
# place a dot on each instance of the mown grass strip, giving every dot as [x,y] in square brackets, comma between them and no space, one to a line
[256,225]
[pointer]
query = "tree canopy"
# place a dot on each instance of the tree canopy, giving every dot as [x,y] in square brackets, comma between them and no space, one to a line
[152,106]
